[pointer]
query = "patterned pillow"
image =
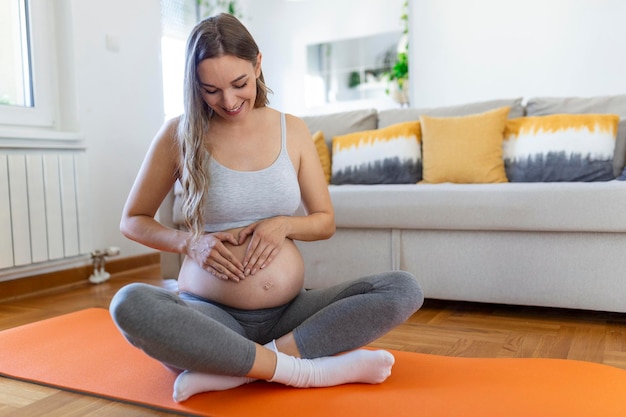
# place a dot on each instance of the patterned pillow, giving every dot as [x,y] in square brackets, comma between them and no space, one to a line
[560,147]
[323,153]
[383,156]
[615,104]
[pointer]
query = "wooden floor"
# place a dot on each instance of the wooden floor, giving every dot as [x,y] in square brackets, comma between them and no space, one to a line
[441,328]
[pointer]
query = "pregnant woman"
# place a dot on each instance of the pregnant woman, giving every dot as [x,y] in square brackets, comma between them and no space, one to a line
[241,312]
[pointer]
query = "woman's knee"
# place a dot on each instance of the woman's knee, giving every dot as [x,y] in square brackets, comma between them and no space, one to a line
[121,301]
[131,301]
[411,288]
[406,294]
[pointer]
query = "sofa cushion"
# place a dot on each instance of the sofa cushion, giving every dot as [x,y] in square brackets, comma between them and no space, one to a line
[323,153]
[380,156]
[342,123]
[541,106]
[465,149]
[561,147]
[549,207]
[393,116]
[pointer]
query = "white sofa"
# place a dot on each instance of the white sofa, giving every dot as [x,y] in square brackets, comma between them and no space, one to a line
[556,244]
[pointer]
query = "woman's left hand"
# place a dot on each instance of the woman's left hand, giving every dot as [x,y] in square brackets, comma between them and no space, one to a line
[268,237]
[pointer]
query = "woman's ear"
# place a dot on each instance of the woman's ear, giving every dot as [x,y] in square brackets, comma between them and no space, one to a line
[257,66]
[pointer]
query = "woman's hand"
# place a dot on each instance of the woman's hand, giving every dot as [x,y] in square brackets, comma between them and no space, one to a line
[210,253]
[268,237]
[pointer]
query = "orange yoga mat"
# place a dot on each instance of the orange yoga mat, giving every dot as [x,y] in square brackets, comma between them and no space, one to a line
[84,352]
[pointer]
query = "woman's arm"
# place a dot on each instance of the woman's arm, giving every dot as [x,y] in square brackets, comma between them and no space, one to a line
[319,223]
[154,180]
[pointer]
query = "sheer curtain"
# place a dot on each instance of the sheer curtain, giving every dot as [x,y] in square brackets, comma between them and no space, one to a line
[178,18]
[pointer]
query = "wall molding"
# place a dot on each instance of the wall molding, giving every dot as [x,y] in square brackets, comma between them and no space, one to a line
[78,275]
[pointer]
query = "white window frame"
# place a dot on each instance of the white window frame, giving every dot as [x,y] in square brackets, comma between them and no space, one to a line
[43,72]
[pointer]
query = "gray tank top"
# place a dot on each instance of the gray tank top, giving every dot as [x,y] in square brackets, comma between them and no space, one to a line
[239,198]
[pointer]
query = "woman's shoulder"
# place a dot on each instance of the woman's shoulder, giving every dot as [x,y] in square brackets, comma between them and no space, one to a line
[171,125]
[167,137]
[296,125]
[168,130]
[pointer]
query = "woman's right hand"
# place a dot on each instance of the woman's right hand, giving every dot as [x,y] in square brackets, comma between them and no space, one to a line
[212,255]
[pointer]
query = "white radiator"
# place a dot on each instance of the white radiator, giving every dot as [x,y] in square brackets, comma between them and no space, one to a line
[43,210]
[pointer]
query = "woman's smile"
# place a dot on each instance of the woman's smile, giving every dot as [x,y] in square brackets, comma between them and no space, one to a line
[234,111]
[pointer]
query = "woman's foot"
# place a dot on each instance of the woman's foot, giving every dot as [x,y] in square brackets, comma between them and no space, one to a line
[191,383]
[358,366]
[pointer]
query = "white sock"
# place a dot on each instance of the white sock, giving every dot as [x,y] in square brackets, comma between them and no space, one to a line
[191,383]
[357,366]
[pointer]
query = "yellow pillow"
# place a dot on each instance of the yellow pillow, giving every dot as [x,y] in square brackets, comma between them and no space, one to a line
[464,150]
[323,153]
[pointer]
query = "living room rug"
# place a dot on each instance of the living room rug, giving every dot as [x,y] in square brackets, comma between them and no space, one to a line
[85,353]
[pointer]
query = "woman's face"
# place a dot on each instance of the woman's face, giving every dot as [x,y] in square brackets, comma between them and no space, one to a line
[228,85]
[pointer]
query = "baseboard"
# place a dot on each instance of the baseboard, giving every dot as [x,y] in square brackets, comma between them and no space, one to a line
[17,288]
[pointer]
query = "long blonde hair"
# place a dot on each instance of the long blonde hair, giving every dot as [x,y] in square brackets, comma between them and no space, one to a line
[213,37]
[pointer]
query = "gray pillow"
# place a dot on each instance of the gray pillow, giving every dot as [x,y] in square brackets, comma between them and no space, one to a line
[342,123]
[391,117]
[543,106]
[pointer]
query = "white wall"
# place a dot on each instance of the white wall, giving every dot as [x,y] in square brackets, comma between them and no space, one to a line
[463,51]
[119,102]
[283,29]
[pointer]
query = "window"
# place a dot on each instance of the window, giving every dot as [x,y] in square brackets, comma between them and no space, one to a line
[26,57]
[15,82]
[178,18]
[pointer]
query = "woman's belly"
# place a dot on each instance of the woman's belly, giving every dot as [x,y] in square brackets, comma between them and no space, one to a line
[276,284]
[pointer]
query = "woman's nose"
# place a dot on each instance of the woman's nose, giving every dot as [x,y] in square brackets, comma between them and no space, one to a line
[230,99]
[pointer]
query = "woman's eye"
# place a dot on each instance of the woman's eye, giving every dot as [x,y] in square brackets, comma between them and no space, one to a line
[210,91]
[241,86]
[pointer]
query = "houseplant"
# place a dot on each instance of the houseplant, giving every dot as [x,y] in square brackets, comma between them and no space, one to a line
[399,79]
[398,76]
[212,7]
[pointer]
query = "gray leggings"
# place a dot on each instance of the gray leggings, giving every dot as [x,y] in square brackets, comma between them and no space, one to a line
[187,332]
